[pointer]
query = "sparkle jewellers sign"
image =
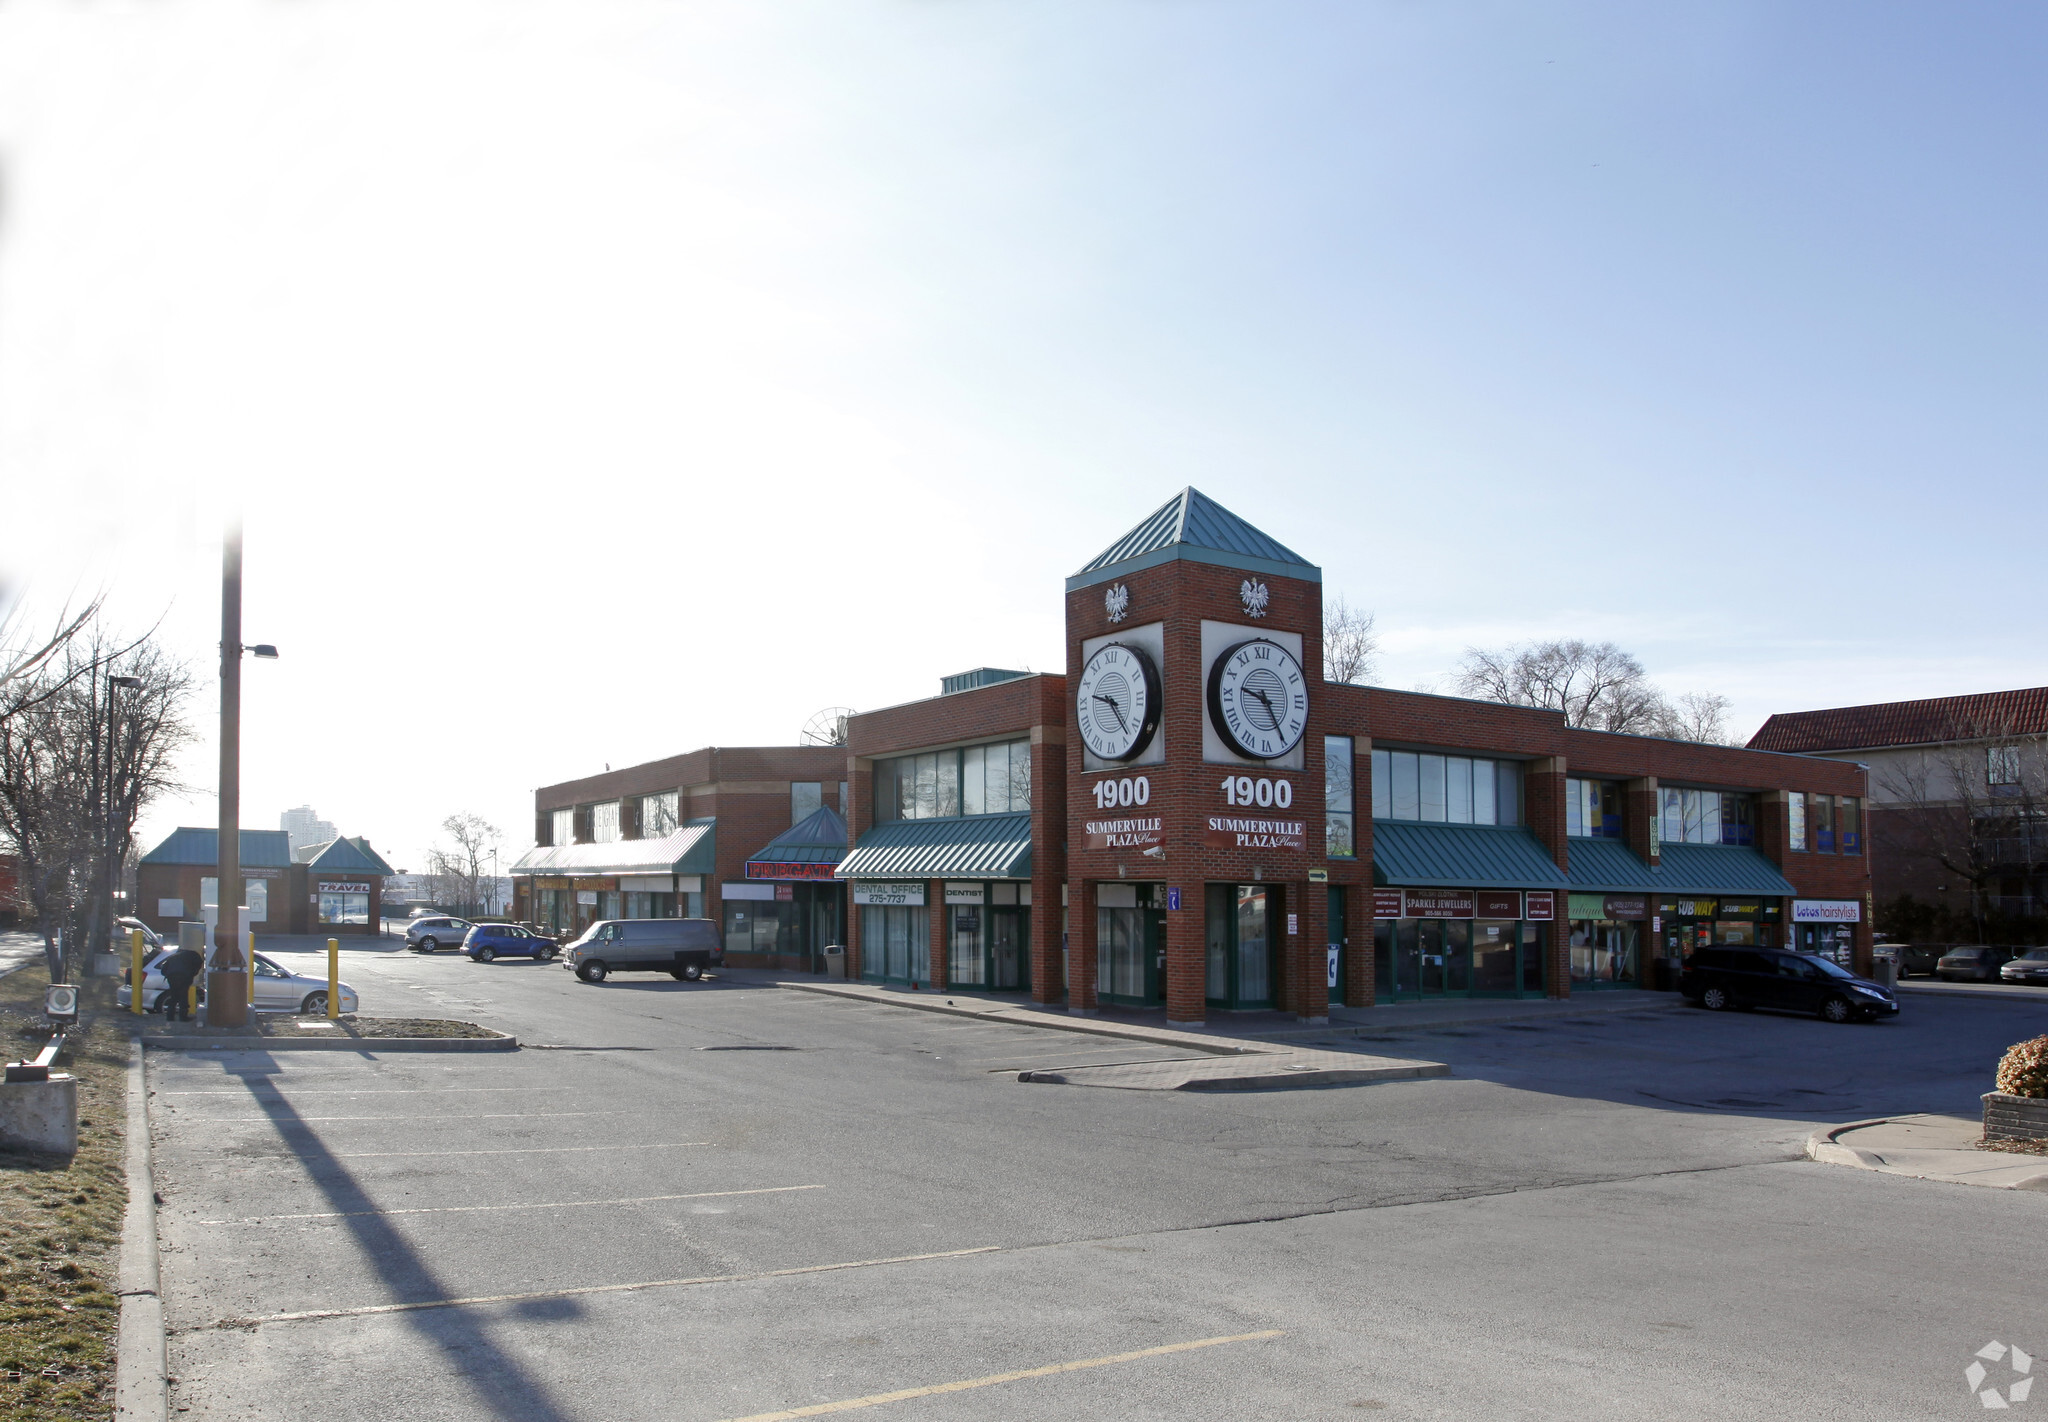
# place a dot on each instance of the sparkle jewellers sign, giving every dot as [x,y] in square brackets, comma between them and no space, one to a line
[1246,832]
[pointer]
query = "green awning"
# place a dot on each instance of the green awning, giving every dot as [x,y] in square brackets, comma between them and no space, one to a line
[1460,857]
[971,847]
[1606,866]
[1716,869]
[818,838]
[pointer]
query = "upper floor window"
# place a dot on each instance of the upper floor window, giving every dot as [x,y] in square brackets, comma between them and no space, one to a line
[660,814]
[1849,824]
[2002,765]
[562,827]
[976,780]
[1820,823]
[805,796]
[1826,824]
[1340,833]
[1451,789]
[1592,808]
[1706,817]
[604,822]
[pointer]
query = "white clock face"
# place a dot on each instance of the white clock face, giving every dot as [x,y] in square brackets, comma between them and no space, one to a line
[1117,706]
[1258,699]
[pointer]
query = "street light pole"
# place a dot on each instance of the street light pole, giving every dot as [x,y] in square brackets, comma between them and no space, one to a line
[228,871]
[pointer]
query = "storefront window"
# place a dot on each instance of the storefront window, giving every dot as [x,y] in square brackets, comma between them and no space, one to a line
[1706,817]
[344,908]
[659,814]
[562,825]
[895,943]
[1446,789]
[1605,953]
[604,822]
[979,780]
[1592,808]
[1340,840]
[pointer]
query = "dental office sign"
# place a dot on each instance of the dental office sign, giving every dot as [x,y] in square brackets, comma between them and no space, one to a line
[1827,911]
[874,891]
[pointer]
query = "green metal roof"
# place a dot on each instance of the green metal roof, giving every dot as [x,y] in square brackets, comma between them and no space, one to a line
[1715,869]
[817,838]
[693,849]
[1460,857]
[971,847]
[1193,526]
[188,844]
[1605,866]
[349,856]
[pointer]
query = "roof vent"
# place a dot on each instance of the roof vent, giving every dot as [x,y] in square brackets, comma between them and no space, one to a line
[980,676]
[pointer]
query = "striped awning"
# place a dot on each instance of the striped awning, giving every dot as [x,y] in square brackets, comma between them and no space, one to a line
[1460,857]
[971,847]
[1606,866]
[689,850]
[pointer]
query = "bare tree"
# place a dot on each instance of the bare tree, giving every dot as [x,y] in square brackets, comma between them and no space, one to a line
[1697,716]
[460,878]
[1596,685]
[26,656]
[1351,645]
[80,759]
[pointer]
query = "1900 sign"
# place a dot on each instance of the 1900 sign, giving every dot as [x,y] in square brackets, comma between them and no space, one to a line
[1244,832]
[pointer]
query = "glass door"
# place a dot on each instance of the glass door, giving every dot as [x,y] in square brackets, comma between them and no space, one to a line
[1238,940]
[1009,960]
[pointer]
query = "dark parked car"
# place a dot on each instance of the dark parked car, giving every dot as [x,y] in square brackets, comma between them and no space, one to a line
[1721,978]
[1978,963]
[681,947]
[487,941]
[435,931]
[2030,967]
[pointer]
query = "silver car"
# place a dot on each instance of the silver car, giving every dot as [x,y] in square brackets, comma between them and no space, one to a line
[436,931]
[2030,967]
[276,989]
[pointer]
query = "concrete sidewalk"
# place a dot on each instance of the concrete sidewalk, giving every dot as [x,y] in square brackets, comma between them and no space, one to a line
[1226,1062]
[1927,1148]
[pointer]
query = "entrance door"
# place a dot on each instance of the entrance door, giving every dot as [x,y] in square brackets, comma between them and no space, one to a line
[1239,942]
[1130,945]
[1009,958]
[1340,957]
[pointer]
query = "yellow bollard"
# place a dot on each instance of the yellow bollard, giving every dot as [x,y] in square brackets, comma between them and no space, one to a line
[192,1002]
[135,956]
[333,979]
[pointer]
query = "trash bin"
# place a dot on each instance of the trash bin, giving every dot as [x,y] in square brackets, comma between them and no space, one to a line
[835,961]
[1664,975]
[1885,972]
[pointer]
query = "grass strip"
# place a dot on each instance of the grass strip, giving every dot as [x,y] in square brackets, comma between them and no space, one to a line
[60,1220]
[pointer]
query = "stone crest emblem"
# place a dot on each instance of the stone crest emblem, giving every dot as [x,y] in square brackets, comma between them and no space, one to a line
[1117,602]
[1255,597]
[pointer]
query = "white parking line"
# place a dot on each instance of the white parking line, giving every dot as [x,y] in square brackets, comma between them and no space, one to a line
[515,1150]
[438,1116]
[358,1091]
[877,1399]
[598,1289]
[546,1205]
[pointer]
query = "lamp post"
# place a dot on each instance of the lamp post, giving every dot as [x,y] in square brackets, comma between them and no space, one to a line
[227,1002]
[109,867]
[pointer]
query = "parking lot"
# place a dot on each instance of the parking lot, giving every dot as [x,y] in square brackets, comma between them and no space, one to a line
[718,1201]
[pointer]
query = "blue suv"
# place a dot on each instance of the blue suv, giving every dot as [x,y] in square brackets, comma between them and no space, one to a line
[506,940]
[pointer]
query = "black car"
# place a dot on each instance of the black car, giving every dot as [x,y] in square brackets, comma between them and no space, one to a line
[1721,978]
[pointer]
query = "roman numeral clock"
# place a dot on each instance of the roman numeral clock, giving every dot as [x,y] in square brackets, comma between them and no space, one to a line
[1258,699]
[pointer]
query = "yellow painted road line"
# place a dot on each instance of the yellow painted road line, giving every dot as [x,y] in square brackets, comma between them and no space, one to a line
[599,1289]
[852,1404]
[545,1205]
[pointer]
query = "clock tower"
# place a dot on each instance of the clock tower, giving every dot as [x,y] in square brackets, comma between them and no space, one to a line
[1195,774]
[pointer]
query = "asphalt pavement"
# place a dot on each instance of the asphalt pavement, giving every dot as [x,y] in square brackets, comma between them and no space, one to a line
[715,1201]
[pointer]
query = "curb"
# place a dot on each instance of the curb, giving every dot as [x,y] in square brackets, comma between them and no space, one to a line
[2003,993]
[141,1370]
[1285,1079]
[1822,1146]
[1055,1022]
[1653,1002]
[337,1044]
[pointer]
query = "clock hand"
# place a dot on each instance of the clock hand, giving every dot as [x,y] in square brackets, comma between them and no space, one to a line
[1110,701]
[1265,701]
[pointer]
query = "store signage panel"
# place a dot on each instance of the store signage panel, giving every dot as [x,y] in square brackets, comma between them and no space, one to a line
[1439,903]
[1493,903]
[875,891]
[1131,832]
[343,886]
[1245,832]
[587,897]
[795,873]
[1827,911]
[1627,907]
[965,893]
[1740,908]
[1386,903]
[1539,905]
[1687,908]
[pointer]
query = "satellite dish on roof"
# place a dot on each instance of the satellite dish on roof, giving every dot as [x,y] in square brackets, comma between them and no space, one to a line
[827,728]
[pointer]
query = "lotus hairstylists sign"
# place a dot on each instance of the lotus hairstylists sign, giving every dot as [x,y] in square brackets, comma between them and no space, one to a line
[1827,911]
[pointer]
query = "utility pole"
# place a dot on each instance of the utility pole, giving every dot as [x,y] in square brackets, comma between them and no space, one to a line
[111,857]
[228,872]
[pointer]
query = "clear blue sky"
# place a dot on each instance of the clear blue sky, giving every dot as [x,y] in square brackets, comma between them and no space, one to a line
[687,368]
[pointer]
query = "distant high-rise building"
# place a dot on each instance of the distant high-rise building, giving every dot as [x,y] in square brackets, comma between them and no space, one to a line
[306,827]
